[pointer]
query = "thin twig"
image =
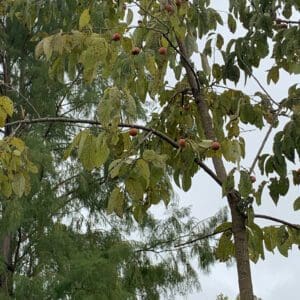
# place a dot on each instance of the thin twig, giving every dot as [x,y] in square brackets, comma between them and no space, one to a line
[182,245]
[264,142]
[259,83]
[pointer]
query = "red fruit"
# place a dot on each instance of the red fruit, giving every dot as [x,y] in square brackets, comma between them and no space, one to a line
[178,2]
[162,50]
[135,50]
[252,178]
[215,146]
[182,142]
[133,131]
[169,8]
[116,36]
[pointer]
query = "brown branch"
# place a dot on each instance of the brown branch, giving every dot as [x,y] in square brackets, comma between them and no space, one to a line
[295,226]
[201,238]
[181,245]
[159,134]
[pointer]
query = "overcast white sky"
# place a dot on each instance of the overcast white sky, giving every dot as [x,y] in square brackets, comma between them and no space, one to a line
[275,278]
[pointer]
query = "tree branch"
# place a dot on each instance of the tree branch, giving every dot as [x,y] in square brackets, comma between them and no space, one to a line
[159,134]
[181,245]
[264,141]
[295,226]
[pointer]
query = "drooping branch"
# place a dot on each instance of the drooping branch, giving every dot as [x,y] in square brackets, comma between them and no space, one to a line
[153,131]
[181,245]
[295,226]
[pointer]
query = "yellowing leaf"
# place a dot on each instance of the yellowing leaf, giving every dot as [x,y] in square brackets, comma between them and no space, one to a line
[18,143]
[101,150]
[39,49]
[74,144]
[2,117]
[114,168]
[47,47]
[116,202]
[7,105]
[6,189]
[84,19]
[86,155]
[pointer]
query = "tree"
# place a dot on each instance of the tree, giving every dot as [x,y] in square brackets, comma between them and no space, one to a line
[57,240]
[120,72]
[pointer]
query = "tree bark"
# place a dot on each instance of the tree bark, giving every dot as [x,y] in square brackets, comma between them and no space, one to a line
[241,248]
[238,219]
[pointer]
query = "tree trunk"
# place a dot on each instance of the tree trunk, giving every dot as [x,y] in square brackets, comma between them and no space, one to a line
[238,219]
[241,248]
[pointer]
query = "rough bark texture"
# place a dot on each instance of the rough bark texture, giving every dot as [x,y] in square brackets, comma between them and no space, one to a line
[238,219]
[241,248]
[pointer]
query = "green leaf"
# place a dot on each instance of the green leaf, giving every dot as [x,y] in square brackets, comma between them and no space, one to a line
[139,213]
[296,177]
[256,238]
[71,147]
[220,41]
[127,44]
[231,23]
[259,191]
[186,181]
[228,184]
[116,202]
[84,19]
[157,159]
[273,75]
[231,150]
[18,184]
[135,189]
[205,64]
[143,170]
[114,167]
[86,152]
[270,235]
[261,163]
[101,150]
[109,107]
[297,204]
[6,188]
[225,248]
[282,239]
[223,227]
[245,184]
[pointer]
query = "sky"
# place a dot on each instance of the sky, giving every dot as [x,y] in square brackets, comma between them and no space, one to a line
[276,277]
